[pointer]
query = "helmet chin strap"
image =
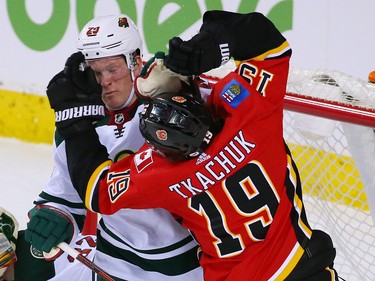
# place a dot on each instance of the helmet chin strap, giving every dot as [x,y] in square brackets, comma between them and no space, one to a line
[132,75]
[132,93]
[131,61]
[130,98]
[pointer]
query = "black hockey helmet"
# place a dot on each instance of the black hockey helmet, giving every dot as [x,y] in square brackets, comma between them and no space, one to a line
[177,125]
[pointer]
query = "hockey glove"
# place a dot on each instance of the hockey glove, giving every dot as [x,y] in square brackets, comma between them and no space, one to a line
[197,55]
[74,94]
[156,79]
[8,238]
[48,226]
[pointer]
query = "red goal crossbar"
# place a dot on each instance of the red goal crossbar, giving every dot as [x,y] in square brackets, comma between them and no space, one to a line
[330,109]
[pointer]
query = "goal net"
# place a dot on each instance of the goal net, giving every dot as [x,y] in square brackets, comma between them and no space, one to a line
[329,125]
[329,118]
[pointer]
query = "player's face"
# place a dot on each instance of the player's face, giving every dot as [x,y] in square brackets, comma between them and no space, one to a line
[114,76]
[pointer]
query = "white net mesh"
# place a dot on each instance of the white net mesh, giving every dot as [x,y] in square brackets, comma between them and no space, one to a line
[336,161]
[332,85]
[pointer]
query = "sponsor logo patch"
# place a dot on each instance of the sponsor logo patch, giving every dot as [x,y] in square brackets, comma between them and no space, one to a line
[202,158]
[79,111]
[234,93]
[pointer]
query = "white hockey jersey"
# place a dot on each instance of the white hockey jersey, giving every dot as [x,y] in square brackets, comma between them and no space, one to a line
[134,245]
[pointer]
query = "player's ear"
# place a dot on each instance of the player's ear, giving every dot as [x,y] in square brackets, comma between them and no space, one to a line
[139,62]
[138,65]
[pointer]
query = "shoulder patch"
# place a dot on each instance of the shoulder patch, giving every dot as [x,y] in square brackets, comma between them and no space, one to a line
[234,93]
[143,159]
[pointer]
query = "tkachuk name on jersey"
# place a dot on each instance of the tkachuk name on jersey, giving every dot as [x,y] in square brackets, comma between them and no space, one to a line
[215,170]
[79,111]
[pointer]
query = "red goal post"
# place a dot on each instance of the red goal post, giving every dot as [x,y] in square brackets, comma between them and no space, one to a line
[329,121]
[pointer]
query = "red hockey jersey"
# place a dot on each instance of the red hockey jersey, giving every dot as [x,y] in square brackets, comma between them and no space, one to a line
[242,197]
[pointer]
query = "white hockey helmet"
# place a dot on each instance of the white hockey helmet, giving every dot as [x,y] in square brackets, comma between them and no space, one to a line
[109,36]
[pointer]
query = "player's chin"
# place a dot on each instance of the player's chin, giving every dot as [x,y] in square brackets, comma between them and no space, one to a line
[112,102]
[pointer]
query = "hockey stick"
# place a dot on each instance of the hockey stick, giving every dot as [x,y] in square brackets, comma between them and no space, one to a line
[85,261]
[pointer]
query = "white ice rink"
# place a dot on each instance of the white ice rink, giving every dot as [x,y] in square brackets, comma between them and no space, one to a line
[24,169]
